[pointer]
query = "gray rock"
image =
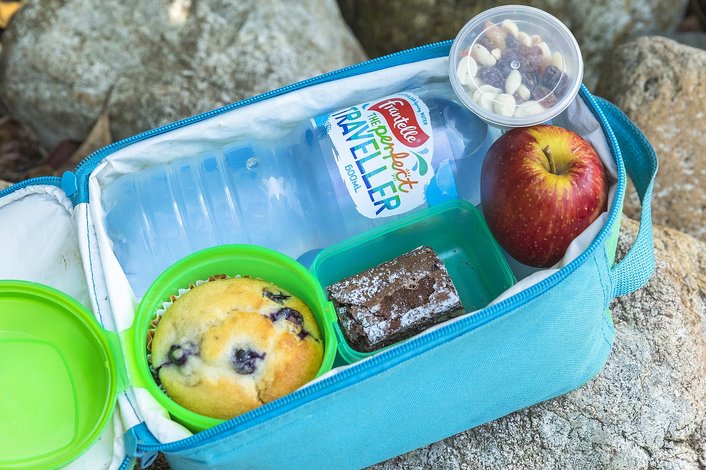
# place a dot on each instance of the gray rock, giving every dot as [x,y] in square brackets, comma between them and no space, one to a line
[695,39]
[164,59]
[598,25]
[646,409]
[661,85]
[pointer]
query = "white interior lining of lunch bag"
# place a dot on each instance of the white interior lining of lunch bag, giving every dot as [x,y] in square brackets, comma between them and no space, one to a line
[39,243]
[273,118]
[38,240]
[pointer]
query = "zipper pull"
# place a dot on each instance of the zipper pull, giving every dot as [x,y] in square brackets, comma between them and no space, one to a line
[68,183]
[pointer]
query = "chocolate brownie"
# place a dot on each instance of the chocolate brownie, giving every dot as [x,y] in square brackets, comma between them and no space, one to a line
[394,300]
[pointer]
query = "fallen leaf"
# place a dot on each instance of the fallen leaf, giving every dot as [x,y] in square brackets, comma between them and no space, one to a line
[7,11]
[4,184]
[99,136]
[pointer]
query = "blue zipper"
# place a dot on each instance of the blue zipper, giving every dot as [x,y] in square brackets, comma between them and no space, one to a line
[410,349]
[40,180]
[88,164]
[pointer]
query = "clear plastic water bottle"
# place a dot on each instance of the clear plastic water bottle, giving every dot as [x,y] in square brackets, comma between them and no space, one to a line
[332,177]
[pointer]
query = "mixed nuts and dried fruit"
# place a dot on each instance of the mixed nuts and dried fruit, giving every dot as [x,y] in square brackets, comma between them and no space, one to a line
[511,73]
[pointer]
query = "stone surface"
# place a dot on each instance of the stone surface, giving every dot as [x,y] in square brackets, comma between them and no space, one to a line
[164,59]
[385,27]
[661,85]
[645,410]
[695,39]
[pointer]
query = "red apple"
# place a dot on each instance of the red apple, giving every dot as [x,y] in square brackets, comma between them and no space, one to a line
[541,186]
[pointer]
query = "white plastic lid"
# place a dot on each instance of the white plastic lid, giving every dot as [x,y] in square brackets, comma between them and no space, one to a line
[515,66]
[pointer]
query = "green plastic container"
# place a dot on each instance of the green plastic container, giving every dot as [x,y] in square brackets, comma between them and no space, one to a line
[457,232]
[58,379]
[233,260]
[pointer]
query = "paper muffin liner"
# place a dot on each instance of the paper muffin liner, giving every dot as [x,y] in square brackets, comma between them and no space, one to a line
[160,312]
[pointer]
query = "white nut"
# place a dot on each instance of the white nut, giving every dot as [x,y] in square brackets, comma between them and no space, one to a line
[487,100]
[524,38]
[497,53]
[513,82]
[504,105]
[482,55]
[523,92]
[476,96]
[536,39]
[558,61]
[473,85]
[510,27]
[528,108]
[466,70]
[490,89]
[545,50]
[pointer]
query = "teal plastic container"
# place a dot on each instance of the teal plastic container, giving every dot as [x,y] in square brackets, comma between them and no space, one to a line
[457,232]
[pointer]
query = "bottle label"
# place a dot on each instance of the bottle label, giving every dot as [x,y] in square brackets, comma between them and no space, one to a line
[384,152]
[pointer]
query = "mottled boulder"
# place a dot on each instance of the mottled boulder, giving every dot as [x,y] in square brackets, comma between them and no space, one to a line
[661,85]
[163,60]
[598,25]
[645,410]
[695,39]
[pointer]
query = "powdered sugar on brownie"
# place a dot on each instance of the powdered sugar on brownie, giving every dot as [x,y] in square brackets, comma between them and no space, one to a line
[394,300]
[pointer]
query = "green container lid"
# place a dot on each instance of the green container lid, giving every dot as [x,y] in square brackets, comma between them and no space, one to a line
[232,260]
[455,230]
[58,379]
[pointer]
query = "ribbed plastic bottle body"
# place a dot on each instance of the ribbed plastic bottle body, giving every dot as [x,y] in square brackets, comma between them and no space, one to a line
[299,194]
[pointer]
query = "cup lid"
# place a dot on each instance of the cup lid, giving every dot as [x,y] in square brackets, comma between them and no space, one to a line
[515,66]
[58,377]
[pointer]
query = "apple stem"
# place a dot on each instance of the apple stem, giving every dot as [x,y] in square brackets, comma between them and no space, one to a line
[552,166]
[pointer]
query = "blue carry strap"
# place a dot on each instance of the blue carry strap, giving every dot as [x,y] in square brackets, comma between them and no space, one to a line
[635,269]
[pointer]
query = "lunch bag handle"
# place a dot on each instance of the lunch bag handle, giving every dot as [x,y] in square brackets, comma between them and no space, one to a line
[640,160]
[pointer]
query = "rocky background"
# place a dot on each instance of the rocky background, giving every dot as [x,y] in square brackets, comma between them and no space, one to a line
[74,77]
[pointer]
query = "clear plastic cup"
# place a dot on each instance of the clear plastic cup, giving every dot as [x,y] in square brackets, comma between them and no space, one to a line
[515,66]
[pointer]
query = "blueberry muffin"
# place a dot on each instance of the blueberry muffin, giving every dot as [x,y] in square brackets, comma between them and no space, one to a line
[231,345]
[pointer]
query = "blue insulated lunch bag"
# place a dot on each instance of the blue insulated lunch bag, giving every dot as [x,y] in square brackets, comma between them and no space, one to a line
[537,344]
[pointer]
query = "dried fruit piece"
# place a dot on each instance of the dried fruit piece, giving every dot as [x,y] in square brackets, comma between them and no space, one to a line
[535,57]
[492,76]
[545,97]
[495,34]
[511,42]
[555,80]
